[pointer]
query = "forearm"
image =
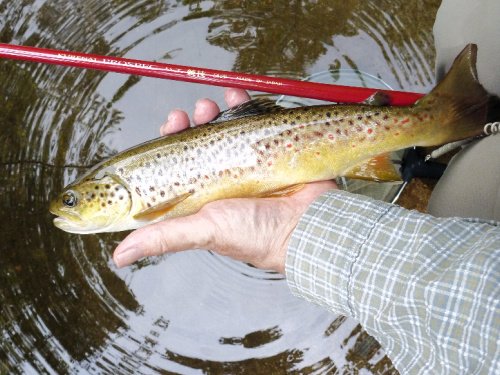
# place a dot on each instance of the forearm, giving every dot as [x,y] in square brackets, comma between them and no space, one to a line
[424,287]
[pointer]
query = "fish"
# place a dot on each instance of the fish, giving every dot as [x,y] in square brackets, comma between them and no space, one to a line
[259,149]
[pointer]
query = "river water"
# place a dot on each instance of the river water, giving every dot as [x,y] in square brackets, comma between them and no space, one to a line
[64,307]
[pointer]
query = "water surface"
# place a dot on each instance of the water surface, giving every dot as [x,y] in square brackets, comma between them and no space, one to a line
[64,307]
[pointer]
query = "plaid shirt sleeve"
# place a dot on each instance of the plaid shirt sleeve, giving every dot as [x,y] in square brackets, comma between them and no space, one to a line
[426,288]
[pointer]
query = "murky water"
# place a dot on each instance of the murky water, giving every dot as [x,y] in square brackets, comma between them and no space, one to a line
[64,307]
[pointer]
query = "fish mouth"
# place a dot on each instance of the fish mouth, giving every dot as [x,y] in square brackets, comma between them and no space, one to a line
[67,225]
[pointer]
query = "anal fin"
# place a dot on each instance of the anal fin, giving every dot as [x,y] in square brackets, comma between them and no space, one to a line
[156,211]
[379,168]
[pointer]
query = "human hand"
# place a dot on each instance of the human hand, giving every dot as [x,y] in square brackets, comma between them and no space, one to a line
[253,230]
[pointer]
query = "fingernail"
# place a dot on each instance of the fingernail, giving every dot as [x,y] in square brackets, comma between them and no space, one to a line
[127,257]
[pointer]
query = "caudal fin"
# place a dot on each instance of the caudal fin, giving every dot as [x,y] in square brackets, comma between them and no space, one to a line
[460,100]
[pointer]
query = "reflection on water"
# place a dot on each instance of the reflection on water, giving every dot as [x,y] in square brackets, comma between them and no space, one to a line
[64,307]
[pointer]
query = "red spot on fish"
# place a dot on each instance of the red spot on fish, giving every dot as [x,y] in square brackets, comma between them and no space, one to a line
[353,145]
[268,146]
[406,120]
[289,145]
[318,134]
[302,126]
[269,163]
[369,131]
[330,136]
[358,128]
[259,161]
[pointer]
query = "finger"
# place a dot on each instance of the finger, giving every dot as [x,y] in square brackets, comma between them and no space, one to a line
[177,120]
[234,97]
[205,110]
[184,233]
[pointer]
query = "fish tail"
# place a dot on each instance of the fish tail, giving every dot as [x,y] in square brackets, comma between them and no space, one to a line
[459,101]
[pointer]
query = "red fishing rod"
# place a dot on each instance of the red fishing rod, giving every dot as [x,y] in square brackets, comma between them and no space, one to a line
[283,86]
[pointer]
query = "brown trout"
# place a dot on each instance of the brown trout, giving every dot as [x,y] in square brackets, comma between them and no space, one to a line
[260,150]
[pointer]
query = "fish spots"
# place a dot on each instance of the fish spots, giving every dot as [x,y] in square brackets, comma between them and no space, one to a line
[96,187]
[120,197]
[158,155]
[110,202]
[289,145]
[360,117]
[328,114]
[330,136]
[107,186]
[405,121]
[369,130]
[351,122]
[138,191]
[151,188]
[176,183]
[385,117]
[103,204]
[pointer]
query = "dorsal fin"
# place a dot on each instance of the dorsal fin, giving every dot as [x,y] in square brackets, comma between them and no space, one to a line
[252,107]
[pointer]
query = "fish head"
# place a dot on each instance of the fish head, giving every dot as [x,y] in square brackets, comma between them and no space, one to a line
[92,206]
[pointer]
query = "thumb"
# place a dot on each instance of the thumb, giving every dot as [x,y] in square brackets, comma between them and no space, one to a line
[184,233]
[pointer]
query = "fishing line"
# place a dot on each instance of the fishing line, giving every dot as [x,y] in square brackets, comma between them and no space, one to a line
[44,164]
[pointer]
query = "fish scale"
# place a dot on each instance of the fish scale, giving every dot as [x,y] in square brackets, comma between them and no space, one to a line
[270,152]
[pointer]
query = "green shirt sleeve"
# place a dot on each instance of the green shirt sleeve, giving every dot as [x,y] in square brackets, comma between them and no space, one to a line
[426,288]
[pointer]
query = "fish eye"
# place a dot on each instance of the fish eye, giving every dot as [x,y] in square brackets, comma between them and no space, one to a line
[69,199]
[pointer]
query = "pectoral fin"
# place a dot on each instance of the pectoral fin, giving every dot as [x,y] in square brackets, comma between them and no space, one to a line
[154,212]
[379,168]
[283,192]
